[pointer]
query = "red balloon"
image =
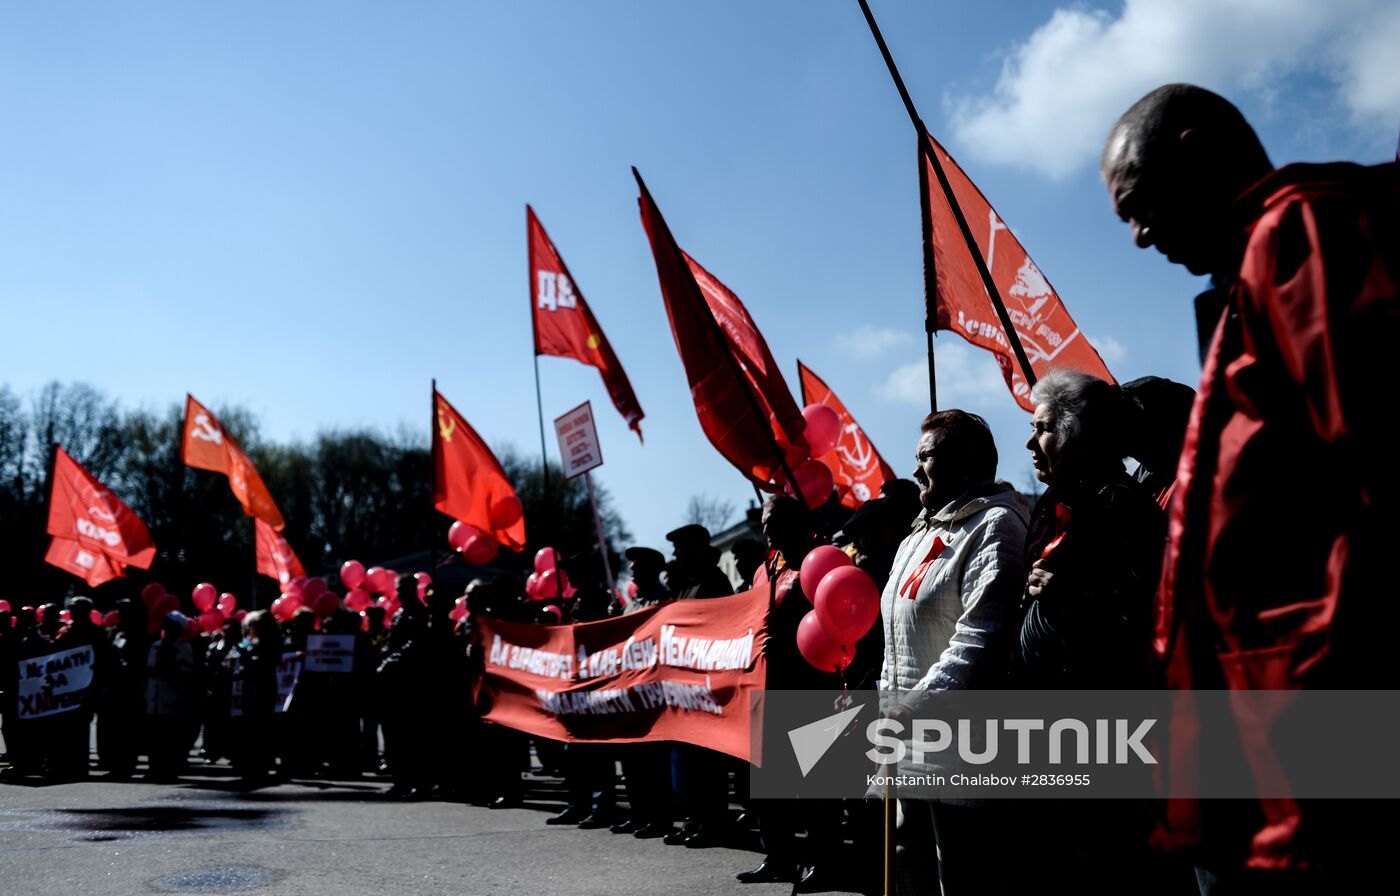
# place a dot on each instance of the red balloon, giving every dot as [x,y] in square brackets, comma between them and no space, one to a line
[191,629]
[358,599]
[532,584]
[151,593]
[352,574]
[817,647]
[506,512]
[374,578]
[326,603]
[847,603]
[227,603]
[204,596]
[313,589]
[65,617]
[554,611]
[818,563]
[814,482]
[423,578]
[4,606]
[422,592]
[459,533]
[240,615]
[282,609]
[111,619]
[211,621]
[96,617]
[631,590]
[168,603]
[480,548]
[546,559]
[823,428]
[549,585]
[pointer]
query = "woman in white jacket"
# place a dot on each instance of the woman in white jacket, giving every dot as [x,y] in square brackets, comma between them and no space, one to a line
[950,612]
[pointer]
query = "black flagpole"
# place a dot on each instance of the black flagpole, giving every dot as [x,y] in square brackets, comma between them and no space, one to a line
[932,157]
[535,339]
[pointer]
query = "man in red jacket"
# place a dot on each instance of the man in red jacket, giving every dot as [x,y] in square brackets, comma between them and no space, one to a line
[1284,509]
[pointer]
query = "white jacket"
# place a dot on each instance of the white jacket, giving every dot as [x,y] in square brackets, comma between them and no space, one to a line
[963,614]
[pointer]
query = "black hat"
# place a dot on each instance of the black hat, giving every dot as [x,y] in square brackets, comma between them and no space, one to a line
[694,533]
[639,554]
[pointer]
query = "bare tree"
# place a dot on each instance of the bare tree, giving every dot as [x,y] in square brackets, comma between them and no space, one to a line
[713,513]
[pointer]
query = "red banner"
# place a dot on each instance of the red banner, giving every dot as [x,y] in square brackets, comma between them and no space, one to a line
[468,482]
[961,304]
[741,398]
[88,564]
[855,465]
[565,326]
[275,557]
[206,446]
[96,536]
[682,671]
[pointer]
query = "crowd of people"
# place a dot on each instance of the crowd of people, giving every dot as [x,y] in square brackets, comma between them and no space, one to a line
[1181,541]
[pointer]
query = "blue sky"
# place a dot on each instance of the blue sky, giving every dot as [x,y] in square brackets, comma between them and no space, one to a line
[312,210]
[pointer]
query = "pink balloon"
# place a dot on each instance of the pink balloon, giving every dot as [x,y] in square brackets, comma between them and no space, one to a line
[374,578]
[423,578]
[282,609]
[818,563]
[95,616]
[151,593]
[532,585]
[555,612]
[422,592]
[314,588]
[847,604]
[481,548]
[550,585]
[5,606]
[204,596]
[817,647]
[111,619]
[546,559]
[457,614]
[326,603]
[352,574]
[823,428]
[358,599]
[814,482]
[39,614]
[506,512]
[65,617]
[459,533]
[211,621]
[240,615]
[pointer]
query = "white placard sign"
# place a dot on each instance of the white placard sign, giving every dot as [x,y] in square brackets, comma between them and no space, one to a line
[578,441]
[330,653]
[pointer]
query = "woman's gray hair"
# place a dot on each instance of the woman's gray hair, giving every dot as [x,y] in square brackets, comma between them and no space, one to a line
[1084,407]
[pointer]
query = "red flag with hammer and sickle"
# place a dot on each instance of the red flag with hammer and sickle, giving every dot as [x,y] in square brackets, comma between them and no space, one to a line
[207,446]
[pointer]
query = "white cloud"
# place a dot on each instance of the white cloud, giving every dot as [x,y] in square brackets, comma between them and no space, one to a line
[967,378]
[867,342]
[1062,89]
[1111,350]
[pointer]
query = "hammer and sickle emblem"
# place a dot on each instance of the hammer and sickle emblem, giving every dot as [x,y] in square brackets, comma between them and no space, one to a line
[446,425]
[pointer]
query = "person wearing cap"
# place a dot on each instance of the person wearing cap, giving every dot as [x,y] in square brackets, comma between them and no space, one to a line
[645,566]
[695,572]
[1160,410]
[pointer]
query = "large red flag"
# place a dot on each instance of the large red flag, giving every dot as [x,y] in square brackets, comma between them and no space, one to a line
[565,326]
[96,536]
[960,301]
[275,557]
[856,466]
[207,446]
[741,398]
[468,482]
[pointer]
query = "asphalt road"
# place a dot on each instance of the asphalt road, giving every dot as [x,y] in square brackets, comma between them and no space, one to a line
[323,838]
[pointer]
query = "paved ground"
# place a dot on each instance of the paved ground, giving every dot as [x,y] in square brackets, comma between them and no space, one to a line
[333,838]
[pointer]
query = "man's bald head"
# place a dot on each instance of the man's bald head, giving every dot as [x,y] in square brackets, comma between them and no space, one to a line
[1174,163]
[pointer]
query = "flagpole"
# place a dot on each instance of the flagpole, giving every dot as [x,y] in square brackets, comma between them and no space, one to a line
[432,482]
[930,269]
[535,338]
[932,158]
[598,522]
[729,355]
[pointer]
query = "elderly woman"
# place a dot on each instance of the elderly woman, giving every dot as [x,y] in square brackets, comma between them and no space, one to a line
[1093,552]
[949,609]
[1094,547]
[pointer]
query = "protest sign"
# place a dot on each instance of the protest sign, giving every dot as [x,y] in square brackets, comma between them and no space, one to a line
[53,683]
[330,653]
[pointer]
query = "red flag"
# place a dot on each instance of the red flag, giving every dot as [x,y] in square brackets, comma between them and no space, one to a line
[275,557]
[96,536]
[88,564]
[206,446]
[468,482]
[857,467]
[961,304]
[740,395]
[565,326]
